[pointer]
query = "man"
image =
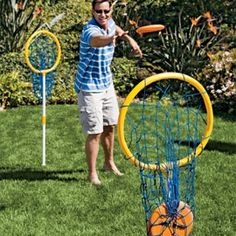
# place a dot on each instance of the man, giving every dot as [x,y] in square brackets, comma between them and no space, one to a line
[97,101]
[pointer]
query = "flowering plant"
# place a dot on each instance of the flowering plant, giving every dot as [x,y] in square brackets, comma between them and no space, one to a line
[218,77]
[186,49]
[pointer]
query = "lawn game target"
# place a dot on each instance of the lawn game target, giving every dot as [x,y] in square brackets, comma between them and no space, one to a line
[164,124]
[43,54]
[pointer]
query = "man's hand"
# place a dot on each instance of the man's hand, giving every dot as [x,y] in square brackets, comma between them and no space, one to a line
[136,51]
[119,35]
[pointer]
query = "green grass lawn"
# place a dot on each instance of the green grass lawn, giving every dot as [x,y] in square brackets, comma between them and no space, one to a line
[58,200]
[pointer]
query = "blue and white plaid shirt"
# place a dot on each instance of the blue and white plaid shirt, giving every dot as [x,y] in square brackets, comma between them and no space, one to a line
[94,73]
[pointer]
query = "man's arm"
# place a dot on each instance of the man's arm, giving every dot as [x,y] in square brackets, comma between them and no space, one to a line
[104,40]
[101,40]
[124,36]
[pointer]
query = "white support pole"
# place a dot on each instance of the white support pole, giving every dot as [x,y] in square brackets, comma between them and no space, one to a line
[44,121]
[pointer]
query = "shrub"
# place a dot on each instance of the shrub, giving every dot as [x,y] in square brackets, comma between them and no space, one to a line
[12,61]
[63,90]
[15,81]
[126,74]
[218,77]
[13,91]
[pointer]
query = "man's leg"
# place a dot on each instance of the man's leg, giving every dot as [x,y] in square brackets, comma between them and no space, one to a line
[91,150]
[107,141]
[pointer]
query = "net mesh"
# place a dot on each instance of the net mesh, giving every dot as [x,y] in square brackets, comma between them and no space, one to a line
[42,54]
[165,123]
[37,80]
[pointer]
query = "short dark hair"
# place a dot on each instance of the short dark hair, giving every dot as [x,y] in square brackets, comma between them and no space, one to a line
[94,2]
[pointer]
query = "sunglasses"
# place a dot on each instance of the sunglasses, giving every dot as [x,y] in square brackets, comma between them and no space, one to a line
[101,11]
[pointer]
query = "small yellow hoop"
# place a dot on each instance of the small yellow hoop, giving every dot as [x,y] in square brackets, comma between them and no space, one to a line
[43,72]
[124,108]
[26,51]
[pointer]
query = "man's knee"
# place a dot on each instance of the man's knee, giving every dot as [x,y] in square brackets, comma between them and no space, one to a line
[109,129]
[94,137]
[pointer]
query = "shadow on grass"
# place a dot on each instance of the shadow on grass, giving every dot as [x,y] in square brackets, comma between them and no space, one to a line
[214,145]
[37,175]
[225,116]
[226,147]
[2,207]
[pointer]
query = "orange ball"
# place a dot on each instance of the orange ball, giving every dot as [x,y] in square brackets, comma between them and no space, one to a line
[160,223]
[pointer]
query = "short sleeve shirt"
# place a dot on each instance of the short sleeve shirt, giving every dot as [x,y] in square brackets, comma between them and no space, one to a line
[94,73]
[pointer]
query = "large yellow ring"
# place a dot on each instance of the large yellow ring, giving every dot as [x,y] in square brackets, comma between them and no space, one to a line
[26,51]
[124,108]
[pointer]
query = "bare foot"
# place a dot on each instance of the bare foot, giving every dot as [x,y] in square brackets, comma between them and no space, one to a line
[94,180]
[112,167]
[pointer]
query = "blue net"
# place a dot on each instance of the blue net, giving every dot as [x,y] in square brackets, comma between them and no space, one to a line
[164,124]
[37,80]
[42,53]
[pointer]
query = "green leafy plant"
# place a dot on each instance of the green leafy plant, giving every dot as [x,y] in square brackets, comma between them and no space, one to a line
[124,75]
[184,49]
[16,17]
[13,91]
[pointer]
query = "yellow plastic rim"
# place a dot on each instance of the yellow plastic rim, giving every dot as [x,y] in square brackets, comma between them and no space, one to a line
[26,51]
[124,108]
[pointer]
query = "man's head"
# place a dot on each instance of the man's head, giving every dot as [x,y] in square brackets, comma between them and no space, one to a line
[101,10]
[101,1]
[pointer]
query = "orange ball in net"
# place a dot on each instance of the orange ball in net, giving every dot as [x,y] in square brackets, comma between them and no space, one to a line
[160,223]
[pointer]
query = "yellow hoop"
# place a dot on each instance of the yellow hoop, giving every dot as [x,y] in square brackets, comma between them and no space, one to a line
[26,51]
[43,72]
[131,96]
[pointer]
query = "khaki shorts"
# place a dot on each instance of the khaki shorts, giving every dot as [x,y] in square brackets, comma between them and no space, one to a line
[98,109]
